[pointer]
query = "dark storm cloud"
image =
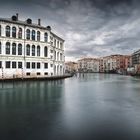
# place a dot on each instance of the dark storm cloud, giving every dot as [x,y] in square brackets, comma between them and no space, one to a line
[89,27]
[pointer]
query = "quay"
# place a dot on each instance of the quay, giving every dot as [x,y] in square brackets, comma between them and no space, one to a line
[36,78]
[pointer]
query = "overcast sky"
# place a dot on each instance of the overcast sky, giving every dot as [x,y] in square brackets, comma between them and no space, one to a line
[90,28]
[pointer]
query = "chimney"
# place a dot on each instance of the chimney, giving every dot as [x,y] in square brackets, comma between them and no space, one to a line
[17,15]
[39,21]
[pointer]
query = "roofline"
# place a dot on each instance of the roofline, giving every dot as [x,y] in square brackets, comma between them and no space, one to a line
[57,36]
[25,24]
[138,51]
[30,25]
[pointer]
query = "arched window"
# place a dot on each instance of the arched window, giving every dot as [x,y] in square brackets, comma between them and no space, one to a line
[14,49]
[38,36]
[33,34]
[28,50]
[0,47]
[20,33]
[33,50]
[14,32]
[55,42]
[45,52]
[7,50]
[38,50]
[45,37]
[28,34]
[8,31]
[60,56]
[61,46]
[19,49]
[57,56]
[0,30]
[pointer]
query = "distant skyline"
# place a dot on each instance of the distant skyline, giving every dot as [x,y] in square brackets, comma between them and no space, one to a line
[90,28]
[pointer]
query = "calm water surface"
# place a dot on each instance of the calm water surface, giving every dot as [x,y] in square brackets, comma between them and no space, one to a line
[96,107]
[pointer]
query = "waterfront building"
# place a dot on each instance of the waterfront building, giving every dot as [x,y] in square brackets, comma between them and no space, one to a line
[101,68]
[29,50]
[88,65]
[128,62]
[109,63]
[71,67]
[136,61]
[116,63]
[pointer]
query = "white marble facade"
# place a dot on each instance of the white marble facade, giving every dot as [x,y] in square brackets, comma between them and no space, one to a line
[29,50]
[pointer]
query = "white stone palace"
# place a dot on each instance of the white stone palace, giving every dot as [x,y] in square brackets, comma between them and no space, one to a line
[29,50]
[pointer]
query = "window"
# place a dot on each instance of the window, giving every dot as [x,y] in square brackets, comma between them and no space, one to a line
[7,64]
[28,50]
[20,33]
[38,73]
[61,56]
[45,65]
[0,64]
[45,37]
[46,73]
[19,49]
[55,55]
[19,64]
[38,50]
[33,34]
[38,36]
[0,47]
[61,46]
[57,44]
[14,32]
[38,65]
[13,49]
[28,65]
[13,64]
[45,52]
[7,48]
[33,50]
[51,65]
[7,31]
[0,30]
[58,56]
[28,34]
[28,73]
[33,65]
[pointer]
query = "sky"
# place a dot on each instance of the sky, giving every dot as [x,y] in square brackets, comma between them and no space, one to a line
[90,28]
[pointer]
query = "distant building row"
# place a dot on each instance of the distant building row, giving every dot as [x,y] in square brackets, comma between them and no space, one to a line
[108,64]
[122,64]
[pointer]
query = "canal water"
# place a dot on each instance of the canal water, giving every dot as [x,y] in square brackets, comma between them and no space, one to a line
[93,106]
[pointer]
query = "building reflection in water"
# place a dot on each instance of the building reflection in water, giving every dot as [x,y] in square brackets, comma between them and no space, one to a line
[26,93]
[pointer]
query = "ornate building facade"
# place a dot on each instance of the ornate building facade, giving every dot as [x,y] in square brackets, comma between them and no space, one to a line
[136,61]
[29,50]
[88,65]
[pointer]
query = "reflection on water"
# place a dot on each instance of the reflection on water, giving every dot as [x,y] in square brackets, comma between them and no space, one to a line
[28,92]
[93,106]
